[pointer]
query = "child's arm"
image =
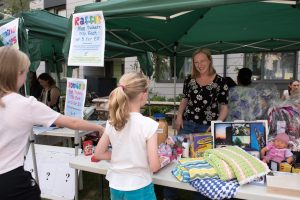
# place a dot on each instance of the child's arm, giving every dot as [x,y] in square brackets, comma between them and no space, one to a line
[101,151]
[290,159]
[152,153]
[289,156]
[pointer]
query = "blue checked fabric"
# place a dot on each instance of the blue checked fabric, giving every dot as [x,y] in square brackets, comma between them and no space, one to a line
[215,188]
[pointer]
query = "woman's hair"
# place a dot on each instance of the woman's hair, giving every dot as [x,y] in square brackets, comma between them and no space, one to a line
[12,63]
[244,76]
[130,86]
[47,77]
[211,70]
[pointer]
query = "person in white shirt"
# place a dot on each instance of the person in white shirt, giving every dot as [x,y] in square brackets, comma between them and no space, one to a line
[18,115]
[134,154]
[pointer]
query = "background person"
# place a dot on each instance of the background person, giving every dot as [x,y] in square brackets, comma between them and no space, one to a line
[205,96]
[18,115]
[133,138]
[35,87]
[50,94]
[292,87]
[230,82]
[243,101]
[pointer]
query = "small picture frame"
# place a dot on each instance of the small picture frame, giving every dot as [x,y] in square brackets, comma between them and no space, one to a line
[249,135]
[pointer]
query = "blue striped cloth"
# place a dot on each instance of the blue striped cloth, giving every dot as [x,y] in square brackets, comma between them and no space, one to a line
[189,169]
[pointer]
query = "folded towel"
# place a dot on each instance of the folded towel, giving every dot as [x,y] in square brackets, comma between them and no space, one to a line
[189,169]
[233,162]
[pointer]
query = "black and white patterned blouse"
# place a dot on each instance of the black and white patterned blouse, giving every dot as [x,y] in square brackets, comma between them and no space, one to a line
[203,101]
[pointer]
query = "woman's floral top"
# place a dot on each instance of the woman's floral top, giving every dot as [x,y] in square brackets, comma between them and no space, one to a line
[243,104]
[203,101]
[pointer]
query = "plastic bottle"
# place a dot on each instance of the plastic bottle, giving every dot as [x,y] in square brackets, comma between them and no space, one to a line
[162,131]
[185,145]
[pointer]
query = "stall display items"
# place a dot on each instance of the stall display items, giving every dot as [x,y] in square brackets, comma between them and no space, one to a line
[285,117]
[286,167]
[162,130]
[199,143]
[171,149]
[88,147]
[165,151]
[249,135]
[277,150]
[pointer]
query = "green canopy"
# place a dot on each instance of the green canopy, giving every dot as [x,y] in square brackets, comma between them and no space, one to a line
[223,26]
[179,27]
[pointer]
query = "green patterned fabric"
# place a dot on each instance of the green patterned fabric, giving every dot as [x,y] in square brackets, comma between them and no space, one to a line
[233,162]
[190,169]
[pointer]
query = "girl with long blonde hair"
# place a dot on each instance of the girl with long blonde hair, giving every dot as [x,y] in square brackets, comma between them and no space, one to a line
[133,139]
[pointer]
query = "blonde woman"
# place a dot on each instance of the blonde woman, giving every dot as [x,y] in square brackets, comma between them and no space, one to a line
[205,99]
[205,96]
[18,115]
[133,139]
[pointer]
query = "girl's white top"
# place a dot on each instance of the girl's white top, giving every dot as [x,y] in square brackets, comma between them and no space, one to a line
[129,168]
[17,119]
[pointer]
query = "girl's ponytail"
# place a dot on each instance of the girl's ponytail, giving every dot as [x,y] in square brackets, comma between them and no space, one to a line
[118,108]
[131,85]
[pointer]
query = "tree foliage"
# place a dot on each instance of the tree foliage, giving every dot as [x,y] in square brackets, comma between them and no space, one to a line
[12,7]
[161,67]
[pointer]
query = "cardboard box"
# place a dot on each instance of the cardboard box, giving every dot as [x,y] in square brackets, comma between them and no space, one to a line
[285,167]
[284,183]
[200,143]
[296,170]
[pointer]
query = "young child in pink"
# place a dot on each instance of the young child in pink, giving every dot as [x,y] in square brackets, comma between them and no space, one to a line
[277,150]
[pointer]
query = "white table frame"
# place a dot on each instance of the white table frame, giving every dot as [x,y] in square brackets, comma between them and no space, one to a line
[165,178]
[69,133]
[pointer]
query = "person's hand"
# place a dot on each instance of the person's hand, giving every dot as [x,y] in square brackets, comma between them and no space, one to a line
[93,159]
[101,129]
[208,129]
[179,123]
